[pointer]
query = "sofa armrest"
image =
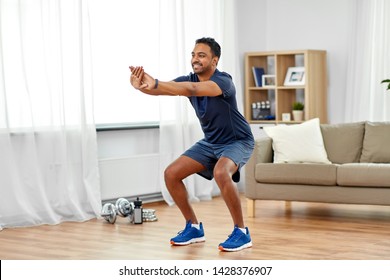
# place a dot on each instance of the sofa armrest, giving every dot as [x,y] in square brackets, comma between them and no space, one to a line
[263,150]
[262,153]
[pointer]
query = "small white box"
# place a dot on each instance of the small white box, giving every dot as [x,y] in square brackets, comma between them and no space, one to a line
[286,117]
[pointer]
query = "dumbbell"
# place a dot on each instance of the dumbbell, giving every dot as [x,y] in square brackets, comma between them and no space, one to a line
[109,212]
[149,215]
[125,208]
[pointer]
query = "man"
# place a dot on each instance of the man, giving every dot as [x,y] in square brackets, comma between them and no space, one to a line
[227,144]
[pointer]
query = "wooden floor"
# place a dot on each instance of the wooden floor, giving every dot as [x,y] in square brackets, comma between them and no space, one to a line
[301,231]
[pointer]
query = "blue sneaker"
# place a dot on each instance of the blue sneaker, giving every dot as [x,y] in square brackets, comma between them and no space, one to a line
[236,241]
[189,235]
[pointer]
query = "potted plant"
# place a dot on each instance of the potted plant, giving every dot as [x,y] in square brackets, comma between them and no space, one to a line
[297,111]
[388,83]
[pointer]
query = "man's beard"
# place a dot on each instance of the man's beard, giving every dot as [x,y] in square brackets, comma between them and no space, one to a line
[198,68]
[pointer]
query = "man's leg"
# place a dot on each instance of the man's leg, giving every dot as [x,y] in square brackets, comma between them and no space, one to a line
[240,238]
[223,172]
[174,175]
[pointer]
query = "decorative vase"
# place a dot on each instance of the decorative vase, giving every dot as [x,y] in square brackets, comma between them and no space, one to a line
[297,115]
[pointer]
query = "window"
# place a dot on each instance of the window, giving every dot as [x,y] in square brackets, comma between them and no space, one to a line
[55,54]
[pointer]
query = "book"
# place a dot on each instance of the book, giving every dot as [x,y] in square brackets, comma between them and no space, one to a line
[258,72]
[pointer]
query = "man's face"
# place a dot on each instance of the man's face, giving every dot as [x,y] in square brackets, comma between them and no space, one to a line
[202,59]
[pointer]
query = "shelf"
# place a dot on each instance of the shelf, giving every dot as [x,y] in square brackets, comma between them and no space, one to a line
[261,88]
[313,91]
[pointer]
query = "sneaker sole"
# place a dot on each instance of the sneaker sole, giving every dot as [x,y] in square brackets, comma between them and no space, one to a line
[191,241]
[247,245]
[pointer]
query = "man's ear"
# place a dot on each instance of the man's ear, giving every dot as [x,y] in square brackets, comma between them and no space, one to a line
[215,60]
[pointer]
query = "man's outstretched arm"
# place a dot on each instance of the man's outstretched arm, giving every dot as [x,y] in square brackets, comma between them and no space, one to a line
[142,81]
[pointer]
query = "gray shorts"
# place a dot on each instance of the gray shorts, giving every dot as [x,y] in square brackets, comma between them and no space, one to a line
[208,154]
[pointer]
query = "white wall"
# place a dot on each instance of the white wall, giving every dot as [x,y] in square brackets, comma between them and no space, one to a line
[128,158]
[269,25]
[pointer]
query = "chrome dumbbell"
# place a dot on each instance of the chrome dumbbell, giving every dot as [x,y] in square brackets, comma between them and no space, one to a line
[125,208]
[109,212]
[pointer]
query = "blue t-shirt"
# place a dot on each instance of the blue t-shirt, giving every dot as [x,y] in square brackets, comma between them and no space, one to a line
[219,117]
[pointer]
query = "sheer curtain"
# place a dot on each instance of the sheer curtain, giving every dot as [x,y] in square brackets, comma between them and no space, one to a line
[181,23]
[366,98]
[48,162]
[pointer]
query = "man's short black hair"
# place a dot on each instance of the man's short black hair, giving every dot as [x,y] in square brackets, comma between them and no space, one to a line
[214,46]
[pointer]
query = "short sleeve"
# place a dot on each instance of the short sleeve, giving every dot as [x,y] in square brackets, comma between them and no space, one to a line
[225,83]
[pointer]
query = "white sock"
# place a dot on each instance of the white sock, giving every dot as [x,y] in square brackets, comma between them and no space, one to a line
[195,226]
[243,230]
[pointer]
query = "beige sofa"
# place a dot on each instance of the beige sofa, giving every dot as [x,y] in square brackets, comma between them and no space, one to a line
[359,172]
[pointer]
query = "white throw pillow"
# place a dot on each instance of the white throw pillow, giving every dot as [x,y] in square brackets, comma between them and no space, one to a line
[298,143]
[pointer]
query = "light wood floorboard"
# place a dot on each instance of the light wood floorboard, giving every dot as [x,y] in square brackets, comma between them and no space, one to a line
[301,231]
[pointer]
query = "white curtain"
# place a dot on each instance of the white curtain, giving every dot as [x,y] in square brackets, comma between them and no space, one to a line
[48,153]
[181,23]
[369,62]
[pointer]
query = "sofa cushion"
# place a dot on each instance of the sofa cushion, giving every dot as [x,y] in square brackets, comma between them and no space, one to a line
[343,142]
[376,144]
[298,143]
[364,175]
[296,173]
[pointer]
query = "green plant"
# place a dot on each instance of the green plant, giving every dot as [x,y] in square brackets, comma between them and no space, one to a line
[298,106]
[386,81]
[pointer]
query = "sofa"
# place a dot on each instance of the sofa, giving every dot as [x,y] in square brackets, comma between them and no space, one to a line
[346,163]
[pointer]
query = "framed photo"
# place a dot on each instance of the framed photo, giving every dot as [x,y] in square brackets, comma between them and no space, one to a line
[268,80]
[295,76]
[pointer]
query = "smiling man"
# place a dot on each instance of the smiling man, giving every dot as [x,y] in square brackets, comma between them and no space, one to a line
[227,144]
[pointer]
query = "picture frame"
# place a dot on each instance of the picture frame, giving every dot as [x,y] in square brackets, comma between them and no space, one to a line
[295,76]
[268,81]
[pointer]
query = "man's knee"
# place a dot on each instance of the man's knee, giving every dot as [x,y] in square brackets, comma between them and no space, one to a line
[223,171]
[170,174]
[221,176]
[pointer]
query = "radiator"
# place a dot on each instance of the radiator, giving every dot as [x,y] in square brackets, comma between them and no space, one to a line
[130,177]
